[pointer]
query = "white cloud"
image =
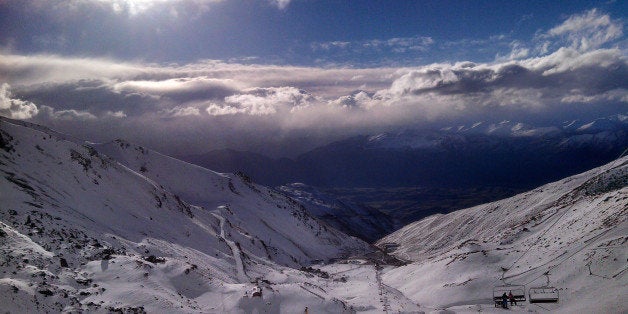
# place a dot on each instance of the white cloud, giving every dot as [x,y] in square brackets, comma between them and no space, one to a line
[425,77]
[218,110]
[117,114]
[67,115]
[577,96]
[587,31]
[121,7]
[360,99]
[15,108]
[179,111]
[281,4]
[175,85]
[568,60]
[329,45]
[397,44]
[266,101]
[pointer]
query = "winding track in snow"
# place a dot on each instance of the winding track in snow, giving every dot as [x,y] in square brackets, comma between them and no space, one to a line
[382,289]
[234,250]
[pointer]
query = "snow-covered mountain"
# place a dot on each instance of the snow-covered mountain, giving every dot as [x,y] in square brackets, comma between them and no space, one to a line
[576,229]
[360,221]
[418,139]
[119,228]
[279,223]
[81,231]
[463,165]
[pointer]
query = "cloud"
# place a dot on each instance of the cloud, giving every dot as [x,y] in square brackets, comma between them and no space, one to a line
[19,69]
[247,106]
[329,45]
[181,89]
[396,45]
[265,101]
[120,7]
[587,31]
[401,44]
[67,115]
[181,111]
[154,79]
[118,114]
[281,4]
[15,108]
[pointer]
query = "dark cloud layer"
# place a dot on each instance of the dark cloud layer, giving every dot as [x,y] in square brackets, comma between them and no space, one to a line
[576,69]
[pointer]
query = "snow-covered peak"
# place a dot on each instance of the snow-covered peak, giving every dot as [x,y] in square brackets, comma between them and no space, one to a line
[504,128]
[408,139]
[422,139]
[598,125]
[611,123]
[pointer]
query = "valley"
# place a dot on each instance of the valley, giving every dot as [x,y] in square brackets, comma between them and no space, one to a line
[313,156]
[116,227]
[414,173]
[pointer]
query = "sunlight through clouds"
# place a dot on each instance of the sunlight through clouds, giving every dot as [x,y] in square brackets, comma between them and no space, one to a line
[135,7]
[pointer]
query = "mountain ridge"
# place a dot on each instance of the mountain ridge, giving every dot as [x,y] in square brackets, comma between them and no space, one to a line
[574,228]
[84,232]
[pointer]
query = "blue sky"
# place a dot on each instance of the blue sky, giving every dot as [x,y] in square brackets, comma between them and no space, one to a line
[196,75]
[299,32]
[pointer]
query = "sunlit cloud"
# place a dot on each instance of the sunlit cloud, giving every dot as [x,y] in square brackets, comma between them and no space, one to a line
[266,101]
[131,7]
[117,114]
[587,31]
[68,115]
[15,108]
[179,111]
[281,4]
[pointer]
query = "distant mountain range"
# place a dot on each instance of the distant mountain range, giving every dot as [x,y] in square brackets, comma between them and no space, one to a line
[466,165]
[486,154]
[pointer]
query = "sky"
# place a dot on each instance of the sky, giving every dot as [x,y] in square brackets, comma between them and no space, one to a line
[282,76]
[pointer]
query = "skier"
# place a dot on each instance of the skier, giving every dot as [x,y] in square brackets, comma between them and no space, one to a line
[505,301]
[511,298]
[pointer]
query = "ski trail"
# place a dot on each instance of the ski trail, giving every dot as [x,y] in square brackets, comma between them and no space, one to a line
[382,289]
[393,300]
[234,250]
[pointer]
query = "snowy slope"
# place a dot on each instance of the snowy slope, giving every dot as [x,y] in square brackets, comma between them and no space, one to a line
[82,232]
[119,228]
[360,221]
[576,229]
[286,233]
